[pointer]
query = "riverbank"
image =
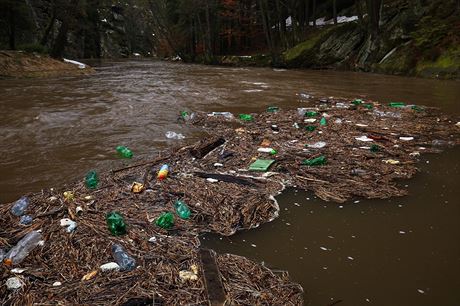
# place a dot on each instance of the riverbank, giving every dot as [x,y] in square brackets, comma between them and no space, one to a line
[17,64]
[421,41]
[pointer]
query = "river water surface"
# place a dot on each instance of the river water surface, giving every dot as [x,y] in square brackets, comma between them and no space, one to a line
[402,251]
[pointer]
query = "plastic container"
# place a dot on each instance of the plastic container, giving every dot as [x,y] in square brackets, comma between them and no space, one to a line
[25,220]
[165,220]
[124,152]
[116,223]
[246,117]
[19,207]
[174,135]
[163,173]
[182,210]
[318,161]
[23,248]
[226,115]
[126,262]
[91,180]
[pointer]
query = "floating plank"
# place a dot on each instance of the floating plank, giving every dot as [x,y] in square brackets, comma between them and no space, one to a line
[212,277]
[203,149]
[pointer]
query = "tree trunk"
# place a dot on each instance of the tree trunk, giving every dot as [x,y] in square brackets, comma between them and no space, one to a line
[48,29]
[334,11]
[266,25]
[11,30]
[314,13]
[61,40]
[307,13]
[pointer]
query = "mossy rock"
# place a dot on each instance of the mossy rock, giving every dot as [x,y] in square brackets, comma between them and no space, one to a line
[258,60]
[446,66]
[400,62]
[324,47]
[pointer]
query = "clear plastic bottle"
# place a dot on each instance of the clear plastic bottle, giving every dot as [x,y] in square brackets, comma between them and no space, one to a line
[126,262]
[21,250]
[25,220]
[20,206]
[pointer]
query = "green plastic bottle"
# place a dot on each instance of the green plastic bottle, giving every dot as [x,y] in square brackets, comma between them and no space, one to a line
[357,101]
[369,106]
[165,220]
[124,152]
[318,161]
[417,108]
[91,179]
[311,114]
[184,114]
[182,209]
[310,128]
[397,104]
[375,148]
[272,109]
[116,224]
[323,121]
[246,117]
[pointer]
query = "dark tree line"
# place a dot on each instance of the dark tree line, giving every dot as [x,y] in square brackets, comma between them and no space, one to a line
[189,28]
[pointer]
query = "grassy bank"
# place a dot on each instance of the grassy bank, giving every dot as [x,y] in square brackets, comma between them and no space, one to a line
[16,64]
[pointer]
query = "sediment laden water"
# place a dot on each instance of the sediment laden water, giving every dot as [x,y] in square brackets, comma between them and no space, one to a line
[395,252]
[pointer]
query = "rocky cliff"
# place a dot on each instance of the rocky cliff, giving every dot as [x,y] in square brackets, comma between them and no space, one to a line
[414,39]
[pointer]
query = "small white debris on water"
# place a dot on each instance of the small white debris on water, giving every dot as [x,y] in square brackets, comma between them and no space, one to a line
[406,138]
[341,206]
[427,161]
[402,232]
[287,223]
[367,300]
[296,204]
[253,245]
[211,180]
[57,284]
[13,283]
[457,124]
[111,266]
[323,248]
[324,268]
[218,165]
[353,236]
[18,271]
[356,202]
[80,65]
[364,139]
[330,237]
[71,225]
[153,239]
[421,291]
[350,258]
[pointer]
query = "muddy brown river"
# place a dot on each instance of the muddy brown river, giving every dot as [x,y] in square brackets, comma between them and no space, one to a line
[401,251]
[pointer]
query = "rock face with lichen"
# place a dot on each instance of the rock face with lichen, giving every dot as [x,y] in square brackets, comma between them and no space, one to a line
[414,39]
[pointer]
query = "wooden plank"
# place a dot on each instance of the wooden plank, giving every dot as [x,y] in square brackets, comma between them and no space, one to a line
[212,277]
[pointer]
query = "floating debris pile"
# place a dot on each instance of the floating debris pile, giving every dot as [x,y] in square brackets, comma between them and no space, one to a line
[131,234]
[336,148]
